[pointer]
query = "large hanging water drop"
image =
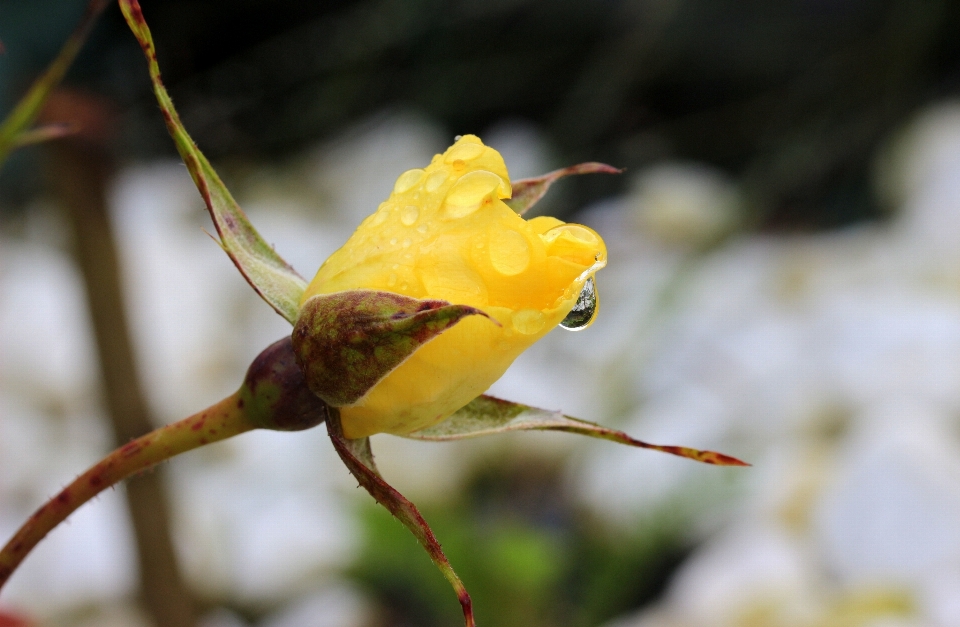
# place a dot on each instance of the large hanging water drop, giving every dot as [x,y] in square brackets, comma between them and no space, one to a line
[585,309]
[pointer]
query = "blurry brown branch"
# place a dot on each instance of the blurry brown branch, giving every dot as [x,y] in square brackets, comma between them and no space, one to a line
[80,168]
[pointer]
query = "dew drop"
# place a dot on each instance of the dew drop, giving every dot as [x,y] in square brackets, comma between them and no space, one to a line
[459,164]
[407,180]
[379,217]
[464,151]
[422,228]
[435,180]
[393,241]
[585,309]
[469,192]
[409,215]
[392,280]
[570,231]
[528,321]
[405,243]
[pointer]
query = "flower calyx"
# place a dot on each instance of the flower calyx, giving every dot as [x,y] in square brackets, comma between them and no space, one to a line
[346,342]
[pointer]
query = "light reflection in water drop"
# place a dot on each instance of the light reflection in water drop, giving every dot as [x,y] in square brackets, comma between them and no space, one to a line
[585,309]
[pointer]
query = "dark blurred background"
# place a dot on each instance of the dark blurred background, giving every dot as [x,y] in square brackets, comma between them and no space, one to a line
[790,97]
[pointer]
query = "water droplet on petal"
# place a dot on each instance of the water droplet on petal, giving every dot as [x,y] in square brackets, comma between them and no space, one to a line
[528,321]
[393,241]
[509,253]
[409,215]
[379,217]
[392,280]
[469,192]
[571,231]
[464,151]
[585,309]
[407,180]
[435,180]
[406,243]
[422,228]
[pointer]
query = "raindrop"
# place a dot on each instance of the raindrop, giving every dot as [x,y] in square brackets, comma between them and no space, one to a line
[464,151]
[379,217]
[435,180]
[407,180]
[409,215]
[469,192]
[585,309]
[528,321]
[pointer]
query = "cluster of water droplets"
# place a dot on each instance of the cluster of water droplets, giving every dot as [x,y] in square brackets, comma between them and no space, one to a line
[448,191]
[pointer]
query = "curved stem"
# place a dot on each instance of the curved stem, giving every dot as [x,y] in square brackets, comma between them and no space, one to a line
[218,422]
[358,457]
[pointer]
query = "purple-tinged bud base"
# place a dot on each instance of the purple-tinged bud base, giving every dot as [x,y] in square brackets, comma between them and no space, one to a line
[275,395]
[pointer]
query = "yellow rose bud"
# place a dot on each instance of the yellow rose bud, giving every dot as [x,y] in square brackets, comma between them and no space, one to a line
[445,233]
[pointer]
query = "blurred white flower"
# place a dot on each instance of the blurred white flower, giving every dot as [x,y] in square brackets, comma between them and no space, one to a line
[690,204]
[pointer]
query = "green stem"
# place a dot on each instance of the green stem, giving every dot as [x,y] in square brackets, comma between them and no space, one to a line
[220,421]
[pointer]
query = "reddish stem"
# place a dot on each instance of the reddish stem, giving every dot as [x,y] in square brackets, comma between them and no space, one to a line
[218,422]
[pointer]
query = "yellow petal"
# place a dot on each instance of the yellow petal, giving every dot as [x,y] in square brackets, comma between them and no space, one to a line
[446,233]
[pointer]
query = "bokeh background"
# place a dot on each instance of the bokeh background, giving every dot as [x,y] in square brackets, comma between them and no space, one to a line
[783,286]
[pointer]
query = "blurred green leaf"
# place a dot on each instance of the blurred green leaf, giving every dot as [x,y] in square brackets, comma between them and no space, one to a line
[15,130]
[267,273]
[530,554]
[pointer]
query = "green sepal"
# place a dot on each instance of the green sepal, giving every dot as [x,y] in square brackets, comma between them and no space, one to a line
[358,457]
[267,273]
[528,192]
[486,415]
[346,342]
